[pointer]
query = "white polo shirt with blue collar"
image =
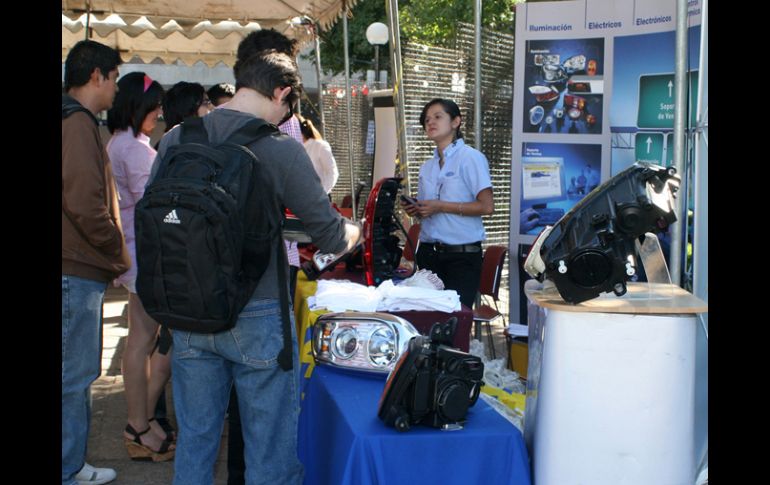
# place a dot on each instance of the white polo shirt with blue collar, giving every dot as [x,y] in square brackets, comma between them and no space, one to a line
[464,175]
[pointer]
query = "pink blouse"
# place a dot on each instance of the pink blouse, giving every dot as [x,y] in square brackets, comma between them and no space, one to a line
[132,158]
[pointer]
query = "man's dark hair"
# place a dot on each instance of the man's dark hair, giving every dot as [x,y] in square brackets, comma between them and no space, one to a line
[450,108]
[133,102]
[181,101]
[262,40]
[86,56]
[221,90]
[265,71]
[266,39]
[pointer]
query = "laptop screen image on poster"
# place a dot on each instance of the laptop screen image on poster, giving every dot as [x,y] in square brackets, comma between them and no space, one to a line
[543,181]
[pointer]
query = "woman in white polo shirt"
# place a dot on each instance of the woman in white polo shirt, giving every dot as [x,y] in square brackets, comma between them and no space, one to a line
[453,193]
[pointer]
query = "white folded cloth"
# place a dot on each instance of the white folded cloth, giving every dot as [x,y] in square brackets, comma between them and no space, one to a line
[424,278]
[403,298]
[518,330]
[344,295]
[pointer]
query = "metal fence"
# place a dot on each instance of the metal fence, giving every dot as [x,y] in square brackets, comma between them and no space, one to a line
[336,133]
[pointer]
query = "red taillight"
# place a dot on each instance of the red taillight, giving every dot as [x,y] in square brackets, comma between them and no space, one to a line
[371,205]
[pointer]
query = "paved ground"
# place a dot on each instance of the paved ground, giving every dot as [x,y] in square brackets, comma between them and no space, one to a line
[105,445]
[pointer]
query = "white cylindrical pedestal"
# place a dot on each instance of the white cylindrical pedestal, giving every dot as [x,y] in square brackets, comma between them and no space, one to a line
[615,400]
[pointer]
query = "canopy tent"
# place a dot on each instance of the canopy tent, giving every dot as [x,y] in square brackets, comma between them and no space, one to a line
[196,30]
[189,30]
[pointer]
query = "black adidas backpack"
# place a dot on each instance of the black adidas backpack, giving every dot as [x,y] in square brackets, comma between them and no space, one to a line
[203,233]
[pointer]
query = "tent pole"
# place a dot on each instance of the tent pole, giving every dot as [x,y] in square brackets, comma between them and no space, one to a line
[318,76]
[700,254]
[349,121]
[398,91]
[680,120]
[88,20]
[477,74]
[477,87]
[700,227]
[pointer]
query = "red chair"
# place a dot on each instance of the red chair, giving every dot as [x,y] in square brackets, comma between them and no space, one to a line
[491,274]
[414,236]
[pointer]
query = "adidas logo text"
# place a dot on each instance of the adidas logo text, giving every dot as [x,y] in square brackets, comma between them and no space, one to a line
[171,218]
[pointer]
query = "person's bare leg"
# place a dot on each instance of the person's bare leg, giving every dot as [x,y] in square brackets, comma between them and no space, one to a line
[160,372]
[140,342]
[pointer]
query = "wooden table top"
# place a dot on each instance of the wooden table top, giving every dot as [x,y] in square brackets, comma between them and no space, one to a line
[646,298]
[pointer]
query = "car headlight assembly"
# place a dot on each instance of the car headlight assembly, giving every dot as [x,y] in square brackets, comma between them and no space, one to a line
[432,383]
[369,342]
[591,250]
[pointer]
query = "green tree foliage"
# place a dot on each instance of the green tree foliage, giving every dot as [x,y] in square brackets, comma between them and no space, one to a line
[364,13]
[432,22]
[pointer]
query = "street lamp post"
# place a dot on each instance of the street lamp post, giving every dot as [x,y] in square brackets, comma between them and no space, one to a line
[377,34]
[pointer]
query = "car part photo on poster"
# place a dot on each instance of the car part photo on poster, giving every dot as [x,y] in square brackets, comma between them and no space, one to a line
[565,86]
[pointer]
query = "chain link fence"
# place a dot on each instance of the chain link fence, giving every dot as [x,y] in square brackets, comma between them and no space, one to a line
[336,133]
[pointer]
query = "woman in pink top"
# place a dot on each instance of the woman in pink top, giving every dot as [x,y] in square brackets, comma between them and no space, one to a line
[131,120]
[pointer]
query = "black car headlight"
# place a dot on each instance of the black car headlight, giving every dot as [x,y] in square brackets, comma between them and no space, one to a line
[432,383]
[591,250]
[370,342]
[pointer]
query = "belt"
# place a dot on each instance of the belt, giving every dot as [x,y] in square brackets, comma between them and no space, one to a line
[453,248]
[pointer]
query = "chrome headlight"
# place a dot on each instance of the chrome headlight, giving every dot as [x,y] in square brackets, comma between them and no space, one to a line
[370,342]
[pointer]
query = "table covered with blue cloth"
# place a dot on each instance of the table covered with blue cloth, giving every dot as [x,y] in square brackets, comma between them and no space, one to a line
[343,442]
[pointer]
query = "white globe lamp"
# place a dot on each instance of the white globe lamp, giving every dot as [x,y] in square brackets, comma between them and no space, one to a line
[377,35]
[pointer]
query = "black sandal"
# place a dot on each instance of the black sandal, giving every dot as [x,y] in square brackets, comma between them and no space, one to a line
[140,452]
[167,428]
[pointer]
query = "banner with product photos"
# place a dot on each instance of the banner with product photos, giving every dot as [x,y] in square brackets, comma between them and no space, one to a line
[593,93]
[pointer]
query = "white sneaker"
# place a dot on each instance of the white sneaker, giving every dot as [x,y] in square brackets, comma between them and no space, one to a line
[89,475]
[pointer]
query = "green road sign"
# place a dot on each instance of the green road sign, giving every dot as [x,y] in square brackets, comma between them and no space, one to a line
[656,100]
[649,147]
[669,149]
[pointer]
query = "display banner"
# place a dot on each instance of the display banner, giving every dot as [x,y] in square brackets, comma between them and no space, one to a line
[593,93]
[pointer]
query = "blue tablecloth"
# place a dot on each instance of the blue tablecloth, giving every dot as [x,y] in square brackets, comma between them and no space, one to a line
[341,441]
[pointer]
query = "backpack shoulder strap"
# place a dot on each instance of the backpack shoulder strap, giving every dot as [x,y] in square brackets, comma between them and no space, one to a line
[285,355]
[252,131]
[71,107]
[194,131]
[249,133]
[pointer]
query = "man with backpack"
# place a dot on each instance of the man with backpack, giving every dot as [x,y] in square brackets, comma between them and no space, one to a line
[93,249]
[258,353]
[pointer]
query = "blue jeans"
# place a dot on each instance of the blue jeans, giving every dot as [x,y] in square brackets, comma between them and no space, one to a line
[81,359]
[205,366]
